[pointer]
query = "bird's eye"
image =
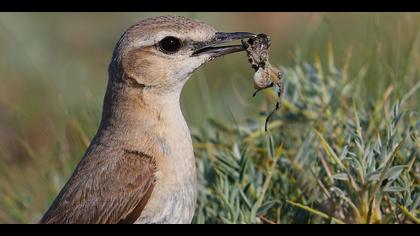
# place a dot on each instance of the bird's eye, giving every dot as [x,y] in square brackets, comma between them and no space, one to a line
[170,45]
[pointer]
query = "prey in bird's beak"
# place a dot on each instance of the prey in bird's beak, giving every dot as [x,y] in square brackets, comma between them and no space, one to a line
[211,48]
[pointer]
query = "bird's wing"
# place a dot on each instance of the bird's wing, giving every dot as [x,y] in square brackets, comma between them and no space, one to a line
[105,189]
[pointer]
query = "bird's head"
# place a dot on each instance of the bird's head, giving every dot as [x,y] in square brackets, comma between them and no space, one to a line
[161,53]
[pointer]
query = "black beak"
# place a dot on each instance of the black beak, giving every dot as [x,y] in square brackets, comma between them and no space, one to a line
[209,48]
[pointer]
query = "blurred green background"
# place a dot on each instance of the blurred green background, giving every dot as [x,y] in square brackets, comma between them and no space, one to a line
[53,73]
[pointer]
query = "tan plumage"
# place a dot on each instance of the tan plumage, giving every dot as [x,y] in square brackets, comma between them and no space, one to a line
[93,196]
[140,167]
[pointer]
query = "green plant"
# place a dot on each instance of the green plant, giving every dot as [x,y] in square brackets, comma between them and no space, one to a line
[328,157]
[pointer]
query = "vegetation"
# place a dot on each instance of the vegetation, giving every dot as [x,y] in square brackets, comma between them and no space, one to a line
[344,147]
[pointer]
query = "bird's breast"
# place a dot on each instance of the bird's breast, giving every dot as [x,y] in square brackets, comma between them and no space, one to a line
[170,206]
[173,199]
[174,196]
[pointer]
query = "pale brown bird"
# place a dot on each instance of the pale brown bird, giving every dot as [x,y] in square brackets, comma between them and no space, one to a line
[140,166]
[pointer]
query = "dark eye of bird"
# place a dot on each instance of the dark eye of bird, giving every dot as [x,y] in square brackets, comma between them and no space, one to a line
[170,45]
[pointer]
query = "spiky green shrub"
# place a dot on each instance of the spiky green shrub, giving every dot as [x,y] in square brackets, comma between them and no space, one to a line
[329,156]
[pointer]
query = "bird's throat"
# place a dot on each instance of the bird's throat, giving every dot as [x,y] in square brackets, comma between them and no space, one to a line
[136,115]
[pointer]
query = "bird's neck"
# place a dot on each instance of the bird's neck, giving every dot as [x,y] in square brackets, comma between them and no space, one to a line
[143,118]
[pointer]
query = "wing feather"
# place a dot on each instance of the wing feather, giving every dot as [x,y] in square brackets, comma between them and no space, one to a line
[105,189]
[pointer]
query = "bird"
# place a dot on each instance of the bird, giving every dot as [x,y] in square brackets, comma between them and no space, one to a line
[139,167]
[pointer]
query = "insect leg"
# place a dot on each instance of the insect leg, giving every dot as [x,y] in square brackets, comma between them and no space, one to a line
[278,104]
[259,89]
